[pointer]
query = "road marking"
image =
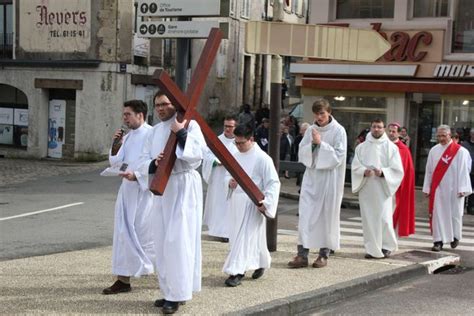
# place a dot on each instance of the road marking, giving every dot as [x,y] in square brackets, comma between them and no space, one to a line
[42,211]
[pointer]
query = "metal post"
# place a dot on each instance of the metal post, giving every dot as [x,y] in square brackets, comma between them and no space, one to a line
[274,142]
[182,59]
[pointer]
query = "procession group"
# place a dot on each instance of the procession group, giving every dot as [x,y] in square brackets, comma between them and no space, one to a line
[162,234]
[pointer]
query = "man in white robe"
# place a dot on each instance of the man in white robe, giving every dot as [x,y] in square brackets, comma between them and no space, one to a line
[447,184]
[132,250]
[178,212]
[323,151]
[247,235]
[377,172]
[216,216]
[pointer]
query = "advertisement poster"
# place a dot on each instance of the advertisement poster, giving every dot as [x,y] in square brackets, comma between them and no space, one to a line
[6,134]
[6,116]
[21,117]
[56,128]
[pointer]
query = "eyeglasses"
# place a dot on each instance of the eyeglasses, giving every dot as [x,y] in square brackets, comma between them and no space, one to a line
[162,104]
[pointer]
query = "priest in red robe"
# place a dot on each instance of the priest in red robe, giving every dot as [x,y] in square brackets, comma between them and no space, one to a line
[404,215]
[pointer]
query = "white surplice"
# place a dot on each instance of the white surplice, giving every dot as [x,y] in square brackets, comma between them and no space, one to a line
[322,187]
[247,234]
[376,193]
[132,250]
[177,213]
[215,209]
[448,207]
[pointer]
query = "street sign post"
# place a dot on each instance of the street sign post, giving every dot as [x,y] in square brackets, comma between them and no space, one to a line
[317,41]
[180,29]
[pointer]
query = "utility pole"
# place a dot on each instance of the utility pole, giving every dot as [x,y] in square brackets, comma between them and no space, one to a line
[274,135]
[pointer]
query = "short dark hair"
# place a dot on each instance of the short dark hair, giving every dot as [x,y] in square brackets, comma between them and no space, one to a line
[158,94]
[321,105]
[230,118]
[243,130]
[377,120]
[138,106]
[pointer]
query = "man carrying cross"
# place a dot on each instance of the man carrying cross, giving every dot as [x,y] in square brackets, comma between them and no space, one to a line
[447,184]
[177,213]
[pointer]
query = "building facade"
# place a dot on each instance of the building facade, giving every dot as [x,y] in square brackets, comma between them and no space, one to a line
[424,80]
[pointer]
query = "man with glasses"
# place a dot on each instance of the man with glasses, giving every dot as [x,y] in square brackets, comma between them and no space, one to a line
[247,234]
[213,172]
[132,248]
[178,212]
[447,184]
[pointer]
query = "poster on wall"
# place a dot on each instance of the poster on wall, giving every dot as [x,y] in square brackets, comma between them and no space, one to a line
[20,117]
[6,134]
[6,116]
[56,128]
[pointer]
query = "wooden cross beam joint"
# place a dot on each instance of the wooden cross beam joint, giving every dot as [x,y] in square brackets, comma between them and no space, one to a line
[186,104]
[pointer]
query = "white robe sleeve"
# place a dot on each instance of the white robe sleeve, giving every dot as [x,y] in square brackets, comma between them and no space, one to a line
[393,173]
[428,173]
[357,172]
[330,157]
[464,181]
[192,152]
[271,187]
[207,164]
[305,149]
[144,163]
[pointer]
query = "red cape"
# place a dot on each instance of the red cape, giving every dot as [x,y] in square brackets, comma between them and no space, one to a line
[404,215]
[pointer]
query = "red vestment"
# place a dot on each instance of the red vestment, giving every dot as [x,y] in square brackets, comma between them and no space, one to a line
[404,215]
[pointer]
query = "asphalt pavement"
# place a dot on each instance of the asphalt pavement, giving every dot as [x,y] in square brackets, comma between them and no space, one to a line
[71,282]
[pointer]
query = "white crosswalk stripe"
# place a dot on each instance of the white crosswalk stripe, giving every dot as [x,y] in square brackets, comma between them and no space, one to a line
[351,231]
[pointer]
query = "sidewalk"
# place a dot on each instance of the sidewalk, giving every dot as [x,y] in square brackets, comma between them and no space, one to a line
[72,282]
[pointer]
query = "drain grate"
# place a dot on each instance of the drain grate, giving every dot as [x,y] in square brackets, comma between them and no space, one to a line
[450,270]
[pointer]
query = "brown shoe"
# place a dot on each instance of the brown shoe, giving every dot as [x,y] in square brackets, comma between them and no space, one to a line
[298,262]
[320,262]
[117,287]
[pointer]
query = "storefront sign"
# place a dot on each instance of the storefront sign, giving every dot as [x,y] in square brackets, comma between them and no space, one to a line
[406,47]
[55,25]
[454,71]
[179,8]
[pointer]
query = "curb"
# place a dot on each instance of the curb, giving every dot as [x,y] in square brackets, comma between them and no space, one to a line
[310,300]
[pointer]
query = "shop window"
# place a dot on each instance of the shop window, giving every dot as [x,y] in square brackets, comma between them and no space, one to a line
[463,27]
[6,30]
[364,9]
[430,8]
[459,115]
[356,113]
[13,117]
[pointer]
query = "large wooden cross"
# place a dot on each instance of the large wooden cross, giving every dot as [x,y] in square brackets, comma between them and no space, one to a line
[186,106]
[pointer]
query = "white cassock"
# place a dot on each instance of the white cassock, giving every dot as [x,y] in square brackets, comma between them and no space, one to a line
[215,209]
[376,193]
[322,187]
[448,208]
[132,250]
[247,234]
[177,213]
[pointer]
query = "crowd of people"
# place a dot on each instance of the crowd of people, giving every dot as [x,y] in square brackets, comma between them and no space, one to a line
[162,234]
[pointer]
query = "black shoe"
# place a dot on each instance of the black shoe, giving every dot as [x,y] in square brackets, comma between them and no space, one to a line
[454,243]
[367,256]
[386,253]
[170,307]
[117,287]
[161,302]
[437,246]
[332,252]
[224,240]
[234,280]
[258,273]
